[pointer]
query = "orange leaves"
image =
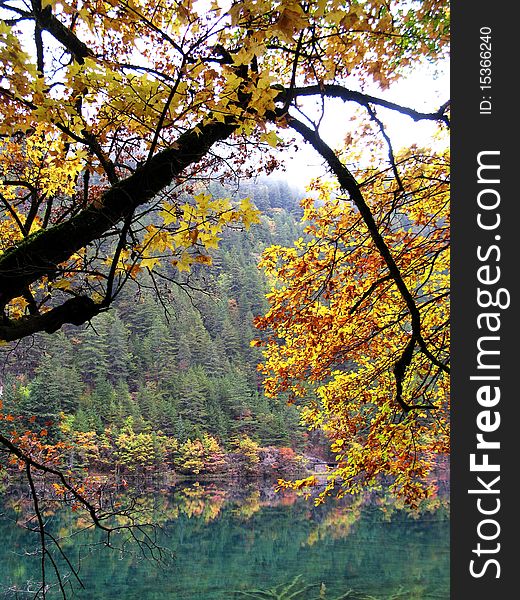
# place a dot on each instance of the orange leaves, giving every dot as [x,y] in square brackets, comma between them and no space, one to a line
[337,324]
[59,490]
[204,259]
[291,20]
[78,130]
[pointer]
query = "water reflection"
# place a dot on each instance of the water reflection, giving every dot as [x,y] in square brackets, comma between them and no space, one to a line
[233,540]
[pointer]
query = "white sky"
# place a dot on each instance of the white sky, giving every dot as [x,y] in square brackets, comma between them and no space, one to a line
[423,90]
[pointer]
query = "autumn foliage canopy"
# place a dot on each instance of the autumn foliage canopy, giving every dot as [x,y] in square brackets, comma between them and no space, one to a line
[115,115]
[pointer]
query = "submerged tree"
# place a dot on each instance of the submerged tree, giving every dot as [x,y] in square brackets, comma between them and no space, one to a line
[114,115]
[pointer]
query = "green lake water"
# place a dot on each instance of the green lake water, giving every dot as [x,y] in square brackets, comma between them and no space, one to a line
[228,540]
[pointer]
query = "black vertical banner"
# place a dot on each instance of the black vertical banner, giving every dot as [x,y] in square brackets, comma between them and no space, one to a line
[485,349]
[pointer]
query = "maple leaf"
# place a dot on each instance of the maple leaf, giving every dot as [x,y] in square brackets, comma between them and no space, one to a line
[338,326]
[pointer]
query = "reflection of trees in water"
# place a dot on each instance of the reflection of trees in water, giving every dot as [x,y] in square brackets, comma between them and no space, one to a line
[205,522]
[207,501]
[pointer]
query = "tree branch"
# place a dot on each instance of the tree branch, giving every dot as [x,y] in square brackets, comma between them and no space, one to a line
[76,311]
[40,254]
[46,20]
[350,185]
[338,91]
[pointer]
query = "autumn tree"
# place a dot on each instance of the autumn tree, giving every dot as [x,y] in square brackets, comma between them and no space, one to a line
[358,324]
[115,115]
[112,112]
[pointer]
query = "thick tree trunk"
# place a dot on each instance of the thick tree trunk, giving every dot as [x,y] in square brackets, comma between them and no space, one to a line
[40,254]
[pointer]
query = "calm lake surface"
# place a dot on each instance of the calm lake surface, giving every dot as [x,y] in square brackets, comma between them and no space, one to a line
[231,539]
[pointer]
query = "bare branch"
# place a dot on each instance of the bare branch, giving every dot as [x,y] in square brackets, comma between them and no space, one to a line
[338,91]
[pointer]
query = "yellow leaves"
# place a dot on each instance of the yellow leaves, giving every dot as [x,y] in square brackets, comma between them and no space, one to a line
[61,284]
[183,263]
[17,308]
[186,233]
[337,323]
[10,231]
[149,263]
[168,214]
[337,445]
[203,202]
[243,56]
[271,138]
[157,240]
[43,161]
[210,240]
[291,20]
[298,484]
[87,18]
[114,96]
[249,214]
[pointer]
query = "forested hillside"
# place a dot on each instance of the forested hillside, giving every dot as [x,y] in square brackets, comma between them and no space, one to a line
[175,361]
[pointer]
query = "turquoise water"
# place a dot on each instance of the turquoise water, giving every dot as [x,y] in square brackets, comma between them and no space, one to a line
[230,540]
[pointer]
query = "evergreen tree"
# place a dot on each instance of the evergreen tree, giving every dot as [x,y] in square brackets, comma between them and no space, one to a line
[149,401]
[194,391]
[127,406]
[199,340]
[14,390]
[104,401]
[187,373]
[230,339]
[159,351]
[92,355]
[235,398]
[55,389]
[119,357]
